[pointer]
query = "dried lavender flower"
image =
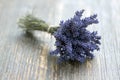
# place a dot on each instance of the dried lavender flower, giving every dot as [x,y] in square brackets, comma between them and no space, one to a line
[73,41]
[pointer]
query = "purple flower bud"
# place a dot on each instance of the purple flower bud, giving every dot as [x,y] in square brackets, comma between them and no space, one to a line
[74,41]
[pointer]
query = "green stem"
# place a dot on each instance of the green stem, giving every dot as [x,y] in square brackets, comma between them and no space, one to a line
[30,23]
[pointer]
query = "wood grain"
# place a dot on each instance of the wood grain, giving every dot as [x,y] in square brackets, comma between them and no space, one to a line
[26,56]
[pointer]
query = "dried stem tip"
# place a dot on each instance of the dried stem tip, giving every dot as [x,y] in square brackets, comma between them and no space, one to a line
[30,23]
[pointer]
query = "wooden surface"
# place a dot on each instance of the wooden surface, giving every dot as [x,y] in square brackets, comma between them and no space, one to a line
[26,57]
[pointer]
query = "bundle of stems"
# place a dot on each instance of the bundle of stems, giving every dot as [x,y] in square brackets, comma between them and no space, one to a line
[30,23]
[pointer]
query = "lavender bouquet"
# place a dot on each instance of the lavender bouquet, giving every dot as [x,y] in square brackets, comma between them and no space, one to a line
[73,41]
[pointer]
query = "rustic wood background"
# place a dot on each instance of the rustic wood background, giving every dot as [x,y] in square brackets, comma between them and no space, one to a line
[26,57]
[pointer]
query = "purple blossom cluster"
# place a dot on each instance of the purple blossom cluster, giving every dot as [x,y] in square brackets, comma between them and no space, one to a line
[73,41]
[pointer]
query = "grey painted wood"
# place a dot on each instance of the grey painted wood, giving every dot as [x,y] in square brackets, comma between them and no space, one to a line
[25,57]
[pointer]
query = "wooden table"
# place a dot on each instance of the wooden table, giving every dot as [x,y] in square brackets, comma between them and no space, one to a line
[26,57]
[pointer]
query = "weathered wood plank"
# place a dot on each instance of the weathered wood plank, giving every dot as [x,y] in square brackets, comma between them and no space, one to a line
[26,57]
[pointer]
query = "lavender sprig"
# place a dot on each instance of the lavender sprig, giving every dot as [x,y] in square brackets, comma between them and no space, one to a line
[73,41]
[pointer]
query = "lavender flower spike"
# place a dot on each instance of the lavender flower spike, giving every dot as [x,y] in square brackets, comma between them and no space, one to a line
[73,41]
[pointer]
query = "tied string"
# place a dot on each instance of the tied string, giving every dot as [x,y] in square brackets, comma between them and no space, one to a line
[48,29]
